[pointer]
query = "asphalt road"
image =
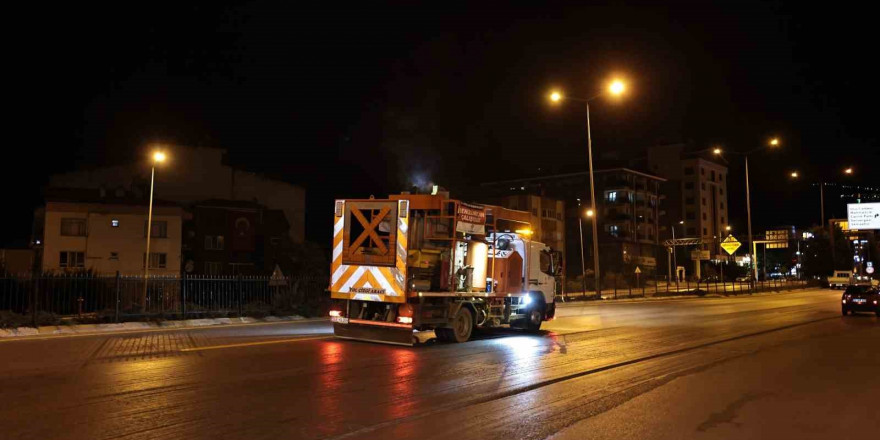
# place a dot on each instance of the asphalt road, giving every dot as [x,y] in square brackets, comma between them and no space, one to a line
[749,367]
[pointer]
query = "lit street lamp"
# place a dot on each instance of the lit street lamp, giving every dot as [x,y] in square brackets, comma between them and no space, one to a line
[774,142]
[846,171]
[615,88]
[158,157]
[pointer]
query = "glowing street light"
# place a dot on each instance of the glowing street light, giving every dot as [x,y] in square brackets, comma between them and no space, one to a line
[794,174]
[590,213]
[848,171]
[774,142]
[716,151]
[616,88]
[158,158]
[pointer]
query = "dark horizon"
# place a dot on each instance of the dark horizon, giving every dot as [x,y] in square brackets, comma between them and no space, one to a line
[373,98]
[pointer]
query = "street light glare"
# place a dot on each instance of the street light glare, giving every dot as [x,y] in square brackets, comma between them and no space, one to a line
[555,96]
[616,87]
[727,228]
[848,171]
[774,142]
[717,150]
[159,157]
[590,213]
[794,174]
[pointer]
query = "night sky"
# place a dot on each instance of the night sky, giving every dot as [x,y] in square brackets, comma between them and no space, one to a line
[350,99]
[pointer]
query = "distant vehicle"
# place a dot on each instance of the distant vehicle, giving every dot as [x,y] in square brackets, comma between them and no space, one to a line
[840,279]
[710,279]
[744,279]
[860,299]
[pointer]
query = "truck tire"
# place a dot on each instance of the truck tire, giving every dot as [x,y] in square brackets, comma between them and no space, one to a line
[462,325]
[534,319]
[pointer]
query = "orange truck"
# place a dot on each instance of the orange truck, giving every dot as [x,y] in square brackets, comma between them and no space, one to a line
[413,264]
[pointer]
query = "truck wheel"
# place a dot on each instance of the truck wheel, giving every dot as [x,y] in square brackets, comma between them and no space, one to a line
[462,325]
[533,322]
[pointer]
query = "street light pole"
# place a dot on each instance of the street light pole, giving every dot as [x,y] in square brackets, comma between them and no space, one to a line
[749,215]
[674,258]
[595,210]
[581,230]
[158,157]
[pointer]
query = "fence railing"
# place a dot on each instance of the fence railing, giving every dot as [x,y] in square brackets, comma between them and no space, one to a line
[655,286]
[116,297]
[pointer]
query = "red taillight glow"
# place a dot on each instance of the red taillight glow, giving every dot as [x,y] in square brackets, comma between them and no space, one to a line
[404,319]
[335,313]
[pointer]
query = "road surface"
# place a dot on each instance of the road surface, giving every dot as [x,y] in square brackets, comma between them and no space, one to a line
[775,366]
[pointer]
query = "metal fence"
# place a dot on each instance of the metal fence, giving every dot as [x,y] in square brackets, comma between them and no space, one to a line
[650,286]
[115,298]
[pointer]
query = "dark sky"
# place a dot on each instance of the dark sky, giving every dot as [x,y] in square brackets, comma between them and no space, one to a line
[356,98]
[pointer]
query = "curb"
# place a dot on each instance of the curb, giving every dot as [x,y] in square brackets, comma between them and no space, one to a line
[21,333]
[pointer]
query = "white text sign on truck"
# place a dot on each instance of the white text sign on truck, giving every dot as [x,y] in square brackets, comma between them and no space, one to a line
[863,215]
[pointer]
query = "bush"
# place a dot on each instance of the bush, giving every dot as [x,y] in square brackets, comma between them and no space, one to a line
[13,320]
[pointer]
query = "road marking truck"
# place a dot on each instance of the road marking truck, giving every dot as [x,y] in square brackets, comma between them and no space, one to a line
[415,263]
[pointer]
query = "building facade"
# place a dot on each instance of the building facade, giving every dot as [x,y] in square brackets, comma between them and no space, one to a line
[108,237]
[547,217]
[227,237]
[697,195]
[629,215]
[191,175]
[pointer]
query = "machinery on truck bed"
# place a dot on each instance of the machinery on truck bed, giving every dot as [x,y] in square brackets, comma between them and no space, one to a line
[419,262]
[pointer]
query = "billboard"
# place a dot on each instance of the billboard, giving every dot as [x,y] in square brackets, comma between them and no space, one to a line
[863,215]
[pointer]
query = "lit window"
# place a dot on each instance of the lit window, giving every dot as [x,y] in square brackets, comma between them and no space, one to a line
[114,223]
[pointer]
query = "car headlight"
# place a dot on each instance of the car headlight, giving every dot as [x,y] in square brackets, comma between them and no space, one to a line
[526,300]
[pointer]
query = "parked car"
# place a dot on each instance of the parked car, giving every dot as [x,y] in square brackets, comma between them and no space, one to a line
[744,279]
[860,298]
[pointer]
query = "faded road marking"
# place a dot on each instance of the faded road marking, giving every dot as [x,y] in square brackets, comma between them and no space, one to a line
[250,344]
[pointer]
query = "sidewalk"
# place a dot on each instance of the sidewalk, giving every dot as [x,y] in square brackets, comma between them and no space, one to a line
[94,329]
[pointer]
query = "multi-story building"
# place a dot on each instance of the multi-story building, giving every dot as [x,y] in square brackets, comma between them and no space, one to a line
[629,215]
[191,175]
[700,199]
[227,237]
[107,236]
[547,217]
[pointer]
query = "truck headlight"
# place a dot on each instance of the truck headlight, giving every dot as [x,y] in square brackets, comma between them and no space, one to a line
[526,300]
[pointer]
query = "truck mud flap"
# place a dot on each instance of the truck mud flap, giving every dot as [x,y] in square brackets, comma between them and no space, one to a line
[375,333]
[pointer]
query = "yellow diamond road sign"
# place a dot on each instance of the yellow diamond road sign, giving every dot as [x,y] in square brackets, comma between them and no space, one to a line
[730,244]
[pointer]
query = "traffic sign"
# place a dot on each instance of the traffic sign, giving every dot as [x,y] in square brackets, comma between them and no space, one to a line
[730,244]
[870,269]
[638,270]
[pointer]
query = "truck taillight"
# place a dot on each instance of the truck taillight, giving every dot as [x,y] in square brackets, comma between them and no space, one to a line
[335,313]
[404,319]
[405,310]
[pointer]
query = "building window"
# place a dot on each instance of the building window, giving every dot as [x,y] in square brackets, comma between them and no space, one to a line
[114,223]
[72,259]
[704,201]
[689,200]
[702,171]
[158,229]
[688,171]
[720,177]
[689,185]
[722,205]
[214,243]
[114,256]
[158,260]
[704,216]
[213,268]
[689,215]
[703,186]
[611,196]
[722,220]
[705,231]
[721,191]
[73,227]
[712,175]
